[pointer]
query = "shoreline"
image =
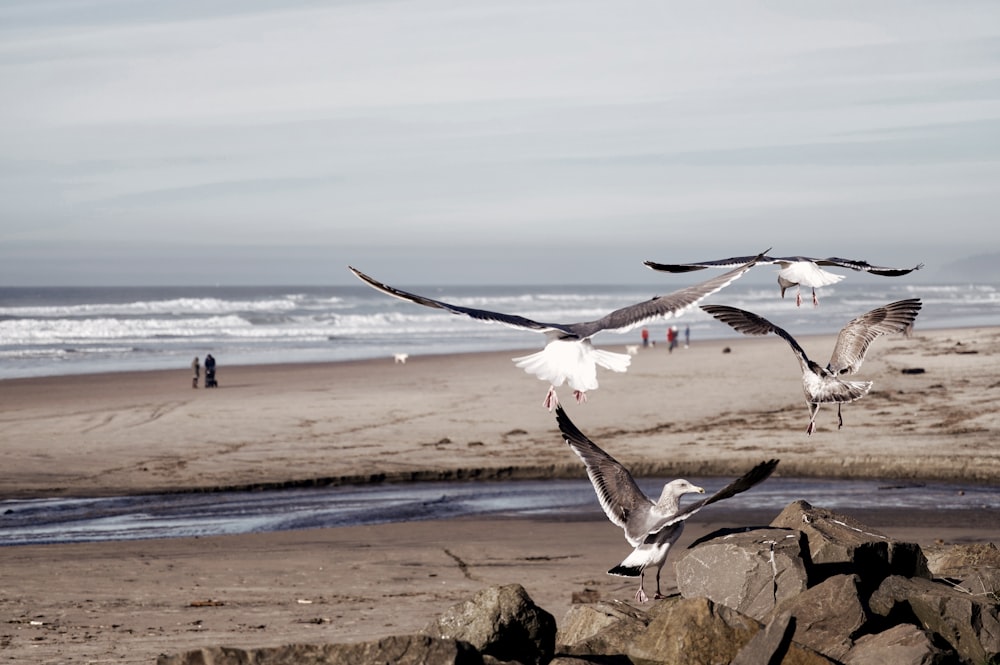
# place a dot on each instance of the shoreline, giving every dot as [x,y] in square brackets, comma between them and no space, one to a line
[697,412]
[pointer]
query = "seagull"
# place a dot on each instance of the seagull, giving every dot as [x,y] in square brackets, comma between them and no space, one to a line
[794,271]
[823,384]
[650,527]
[568,355]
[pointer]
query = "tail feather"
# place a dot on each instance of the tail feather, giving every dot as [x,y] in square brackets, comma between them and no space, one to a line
[626,571]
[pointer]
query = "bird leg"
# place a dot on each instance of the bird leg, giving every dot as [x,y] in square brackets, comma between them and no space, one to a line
[580,396]
[658,594]
[551,399]
[640,595]
[813,409]
[840,419]
[798,297]
[815,299]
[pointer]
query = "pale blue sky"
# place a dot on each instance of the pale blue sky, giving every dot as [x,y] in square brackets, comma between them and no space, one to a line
[274,142]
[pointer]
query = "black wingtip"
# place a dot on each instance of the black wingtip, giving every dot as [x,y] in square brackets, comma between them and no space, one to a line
[625,571]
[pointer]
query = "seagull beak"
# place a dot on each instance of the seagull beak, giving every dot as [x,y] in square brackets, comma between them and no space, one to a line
[699,490]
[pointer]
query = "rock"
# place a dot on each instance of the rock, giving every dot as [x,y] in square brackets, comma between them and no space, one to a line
[904,644]
[603,629]
[768,646]
[748,571]
[401,650]
[502,622]
[690,632]
[583,622]
[970,624]
[974,567]
[841,545]
[828,616]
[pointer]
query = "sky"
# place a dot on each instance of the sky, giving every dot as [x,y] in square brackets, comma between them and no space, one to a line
[433,141]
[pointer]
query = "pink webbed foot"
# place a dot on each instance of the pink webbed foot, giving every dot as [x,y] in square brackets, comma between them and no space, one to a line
[551,400]
[580,396]
[798,299]
[815,299]
[640,596]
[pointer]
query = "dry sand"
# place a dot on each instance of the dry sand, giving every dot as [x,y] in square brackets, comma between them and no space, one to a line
[694,412]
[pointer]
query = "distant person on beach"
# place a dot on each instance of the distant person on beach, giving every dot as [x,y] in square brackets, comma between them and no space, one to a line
[196,368]
[210,372]
[687,336]
[672,338]
[645,337]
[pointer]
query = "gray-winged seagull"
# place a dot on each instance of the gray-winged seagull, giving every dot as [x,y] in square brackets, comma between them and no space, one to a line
[823,384]
[793,271]
[650,527]
[568,355]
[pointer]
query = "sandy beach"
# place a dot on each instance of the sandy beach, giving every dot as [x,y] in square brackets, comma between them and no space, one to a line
[698,411]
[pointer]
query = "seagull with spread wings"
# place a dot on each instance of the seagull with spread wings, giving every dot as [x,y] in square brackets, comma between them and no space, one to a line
[794,271]
[569,356]
[823,384]
[651,527]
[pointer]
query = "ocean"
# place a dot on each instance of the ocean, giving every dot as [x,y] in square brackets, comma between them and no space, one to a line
[76,330]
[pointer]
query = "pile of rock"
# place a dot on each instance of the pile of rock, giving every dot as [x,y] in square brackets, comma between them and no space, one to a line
[813,587]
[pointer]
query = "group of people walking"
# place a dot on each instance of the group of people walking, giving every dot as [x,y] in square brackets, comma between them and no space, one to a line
[210,381]
[673,337]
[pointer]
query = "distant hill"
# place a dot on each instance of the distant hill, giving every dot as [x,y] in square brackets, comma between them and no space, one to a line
[982,268]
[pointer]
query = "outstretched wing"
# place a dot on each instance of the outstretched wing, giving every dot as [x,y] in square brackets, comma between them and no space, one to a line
[511,320]
[749,323]
[754,476]
[864,266]
[731,262]
[666,306]
[855,338]
[616,490]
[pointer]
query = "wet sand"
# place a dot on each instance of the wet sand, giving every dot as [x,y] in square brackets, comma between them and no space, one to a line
[696,411]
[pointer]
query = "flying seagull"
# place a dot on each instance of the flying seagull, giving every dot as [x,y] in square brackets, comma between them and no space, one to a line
[568,355]
[794,270]
[650,527]
[823,384]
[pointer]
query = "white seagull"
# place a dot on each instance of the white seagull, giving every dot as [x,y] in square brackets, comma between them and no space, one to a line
[650,527]
[823,384]
[568,355]
[794,270]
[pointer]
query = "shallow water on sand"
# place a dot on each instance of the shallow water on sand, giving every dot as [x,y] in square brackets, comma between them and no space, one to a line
[64,520]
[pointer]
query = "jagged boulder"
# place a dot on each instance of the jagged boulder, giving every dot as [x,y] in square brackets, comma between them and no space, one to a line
[974,567]
[828,616]
[969,624]
[502,622]
[599,628]
[841,545]
[749,571]
[904,644]
[400,650]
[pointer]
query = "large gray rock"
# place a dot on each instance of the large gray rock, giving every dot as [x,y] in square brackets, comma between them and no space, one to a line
[768,646]
[828,616]
[841,545]
[601,627]
[975,567]
[502,622]
[904,644]
[750,571]
[970,624]
[401,650]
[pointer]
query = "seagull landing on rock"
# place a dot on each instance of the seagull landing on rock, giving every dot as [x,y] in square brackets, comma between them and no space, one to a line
[569,355]
[650,527]
[793,271]
[823,384]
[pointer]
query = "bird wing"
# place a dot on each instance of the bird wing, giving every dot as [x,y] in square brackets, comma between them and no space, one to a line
[855,338]
[511,320]
[731,262]
[749,323]
[752,477]
[616,490]
[864,266]
[672,304]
